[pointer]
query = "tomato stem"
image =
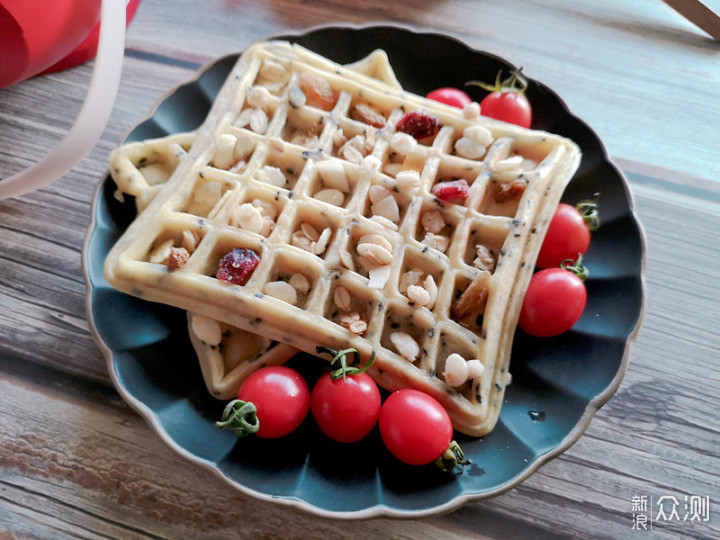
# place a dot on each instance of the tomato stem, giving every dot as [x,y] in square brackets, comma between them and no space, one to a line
[516,83]
[452,457]
[576,267]
[239,417]
[344,369]
[589,210]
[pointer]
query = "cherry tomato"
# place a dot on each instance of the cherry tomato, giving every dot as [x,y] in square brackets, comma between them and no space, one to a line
[345,409]
[554,301]
[506,100]
[282,399]
[415,427]
[567,235]
[450,96]
[512,107]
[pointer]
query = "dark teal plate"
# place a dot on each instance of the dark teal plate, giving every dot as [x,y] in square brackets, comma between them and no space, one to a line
[558,384]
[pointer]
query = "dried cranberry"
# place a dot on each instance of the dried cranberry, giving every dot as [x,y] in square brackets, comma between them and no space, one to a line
[237,266]
[453,189]
[419,124]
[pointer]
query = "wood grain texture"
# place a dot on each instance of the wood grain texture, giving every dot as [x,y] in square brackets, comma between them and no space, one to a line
[699,14]
[77,462]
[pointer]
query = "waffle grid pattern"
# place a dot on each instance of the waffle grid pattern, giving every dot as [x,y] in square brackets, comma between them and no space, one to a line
[510,230]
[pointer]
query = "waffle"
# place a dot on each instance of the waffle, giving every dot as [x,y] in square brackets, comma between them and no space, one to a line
[358,243]
[226,354]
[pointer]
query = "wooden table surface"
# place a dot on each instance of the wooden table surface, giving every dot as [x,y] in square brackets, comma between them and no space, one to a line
[77,462]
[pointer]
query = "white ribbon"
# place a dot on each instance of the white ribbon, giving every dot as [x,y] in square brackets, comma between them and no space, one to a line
[95,112]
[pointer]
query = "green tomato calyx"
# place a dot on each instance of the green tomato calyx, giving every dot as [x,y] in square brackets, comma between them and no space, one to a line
[339,366]
[451,458]
[589,210]
[576,267]
[240,417]
[515,83]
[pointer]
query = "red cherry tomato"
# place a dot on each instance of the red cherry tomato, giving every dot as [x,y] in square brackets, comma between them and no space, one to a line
[282,399]
[450,96]
[567,235]
[345,409]
[512,107]
[554,301]
[415,427]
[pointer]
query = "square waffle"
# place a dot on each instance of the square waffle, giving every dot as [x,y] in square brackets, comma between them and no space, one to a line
[358,243]
[227,355]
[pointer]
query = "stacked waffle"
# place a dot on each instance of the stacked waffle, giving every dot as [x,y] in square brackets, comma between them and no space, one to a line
[310,209]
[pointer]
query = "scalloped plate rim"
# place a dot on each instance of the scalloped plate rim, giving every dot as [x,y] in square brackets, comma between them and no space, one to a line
[377,510]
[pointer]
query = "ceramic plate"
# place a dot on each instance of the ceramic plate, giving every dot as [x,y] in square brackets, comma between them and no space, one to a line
[558,384]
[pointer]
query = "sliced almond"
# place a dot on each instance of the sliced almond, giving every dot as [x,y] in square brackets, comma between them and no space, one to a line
[322,242]
[509,163]
[378,277]
[333,174]
[273,70]
[298,239]
[190,240]
[281,290]
[376,239]
[331,196]
[299,282]
[387,208]
[346,319]
[243,147]
[243,118]
[405,345]
[423,317]
[267,209]
[309,231]
[209,193]
[346,260]
[339,138]
[377,193]
[206,329]
[352,154]
[277,146]
[358,327]
[258,97]
[375,253]
[259,121]
[341,297]
[432,289]
[385,222]
[160,254]
[478,135]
